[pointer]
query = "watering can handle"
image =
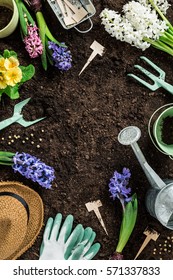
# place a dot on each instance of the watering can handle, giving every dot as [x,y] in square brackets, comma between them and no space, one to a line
[85,31]
[149,128]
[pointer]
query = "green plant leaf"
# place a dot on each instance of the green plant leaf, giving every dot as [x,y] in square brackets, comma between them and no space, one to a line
[23,23]
[7,53]
[1,92]
[128,223]
[6,154]
[5,163]
[27,73]
[6,158]
[12,92]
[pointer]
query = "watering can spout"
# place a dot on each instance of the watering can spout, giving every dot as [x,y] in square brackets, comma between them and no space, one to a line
[153,177]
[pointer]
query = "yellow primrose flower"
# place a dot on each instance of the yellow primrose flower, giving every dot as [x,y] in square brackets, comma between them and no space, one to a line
[13,76]
[11,62]
[2,67]
[3,83]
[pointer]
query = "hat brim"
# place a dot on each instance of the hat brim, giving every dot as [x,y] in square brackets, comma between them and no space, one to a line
[36,213]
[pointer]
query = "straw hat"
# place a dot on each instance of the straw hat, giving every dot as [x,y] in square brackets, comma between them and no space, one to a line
[21,218]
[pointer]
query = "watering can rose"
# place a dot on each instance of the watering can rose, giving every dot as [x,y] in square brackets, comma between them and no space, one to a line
[12,74]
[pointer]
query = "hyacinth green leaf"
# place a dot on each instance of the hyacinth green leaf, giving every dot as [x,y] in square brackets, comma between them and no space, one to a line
[42,32]
[6,154]
[23,24]
[128,223]
[5,163]
[48,52]
[6,159]
[28,15]
[27,72]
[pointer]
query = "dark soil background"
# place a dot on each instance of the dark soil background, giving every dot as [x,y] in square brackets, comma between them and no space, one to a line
[84,115]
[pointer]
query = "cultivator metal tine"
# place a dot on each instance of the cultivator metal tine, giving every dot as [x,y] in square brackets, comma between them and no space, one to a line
[159,70]
[151,87]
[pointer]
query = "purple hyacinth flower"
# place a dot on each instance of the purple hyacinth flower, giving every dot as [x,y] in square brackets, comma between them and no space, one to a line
[118,186]
[61,56]
[34,169]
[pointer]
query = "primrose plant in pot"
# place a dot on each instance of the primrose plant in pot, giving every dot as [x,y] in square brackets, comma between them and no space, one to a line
[12,74]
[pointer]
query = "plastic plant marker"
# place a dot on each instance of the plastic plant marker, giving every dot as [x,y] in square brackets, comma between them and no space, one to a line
[79,13]
[97,49]
[159,81]
[18,117]
[94,206]
[65,12]
[151,234]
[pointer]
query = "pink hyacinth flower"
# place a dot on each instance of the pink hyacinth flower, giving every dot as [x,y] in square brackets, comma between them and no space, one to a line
[33,43]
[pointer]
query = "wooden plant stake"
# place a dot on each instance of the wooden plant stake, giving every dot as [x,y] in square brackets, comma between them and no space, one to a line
[94,206]
[79,13]
[66,15]
[151,234]
[97,49]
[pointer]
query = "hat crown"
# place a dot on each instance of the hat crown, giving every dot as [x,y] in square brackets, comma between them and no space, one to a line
[13,225]
[21,219]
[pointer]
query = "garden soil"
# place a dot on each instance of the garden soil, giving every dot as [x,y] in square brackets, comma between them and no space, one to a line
[78,137]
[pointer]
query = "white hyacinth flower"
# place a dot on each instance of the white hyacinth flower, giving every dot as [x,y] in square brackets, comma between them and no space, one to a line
[138,23]
[163,5]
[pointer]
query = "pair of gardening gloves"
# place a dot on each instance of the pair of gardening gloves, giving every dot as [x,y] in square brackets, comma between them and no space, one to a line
[60,242]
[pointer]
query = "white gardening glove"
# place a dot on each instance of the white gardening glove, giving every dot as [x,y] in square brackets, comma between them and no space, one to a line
[58,243]
[89,250]
[62,244]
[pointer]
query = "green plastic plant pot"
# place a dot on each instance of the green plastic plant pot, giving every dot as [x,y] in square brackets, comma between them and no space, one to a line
[157,131]
[11,26]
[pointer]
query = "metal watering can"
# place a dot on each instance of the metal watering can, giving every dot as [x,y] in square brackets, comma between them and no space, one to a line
[159,198]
